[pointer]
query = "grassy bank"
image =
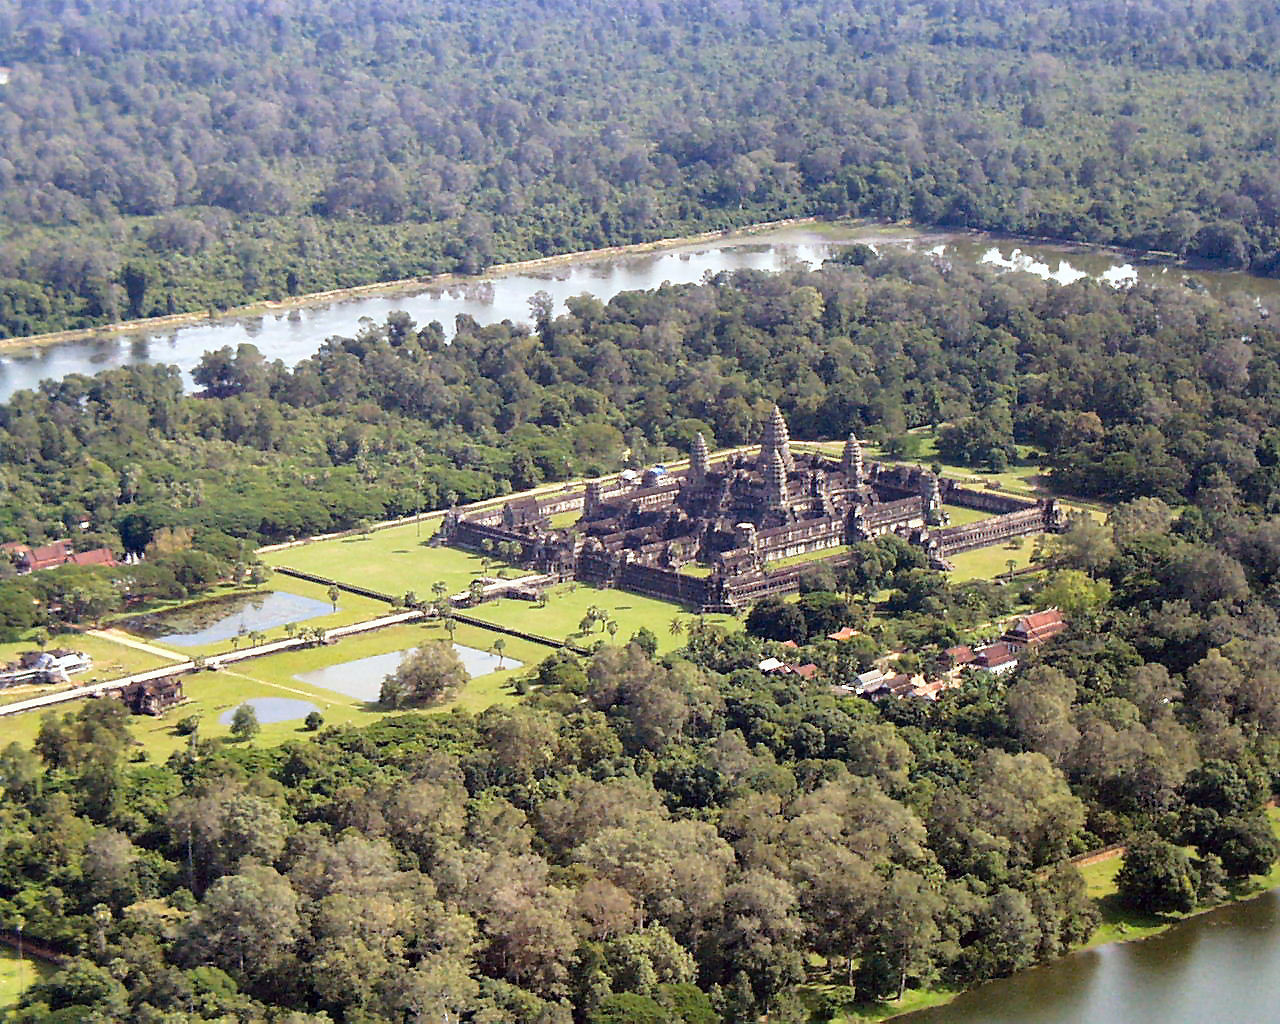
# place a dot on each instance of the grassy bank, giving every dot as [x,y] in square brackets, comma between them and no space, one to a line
[351,608]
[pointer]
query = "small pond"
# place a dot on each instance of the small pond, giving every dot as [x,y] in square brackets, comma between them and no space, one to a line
[208,622]
[272,709]
[362,678]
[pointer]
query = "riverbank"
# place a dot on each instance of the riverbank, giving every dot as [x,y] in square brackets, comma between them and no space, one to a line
[1118,926]
[412,285]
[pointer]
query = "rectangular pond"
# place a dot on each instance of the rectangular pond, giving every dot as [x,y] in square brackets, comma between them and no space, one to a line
[362,678]
[208,622]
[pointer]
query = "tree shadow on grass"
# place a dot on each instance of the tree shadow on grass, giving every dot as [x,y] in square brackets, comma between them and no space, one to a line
[1115,914]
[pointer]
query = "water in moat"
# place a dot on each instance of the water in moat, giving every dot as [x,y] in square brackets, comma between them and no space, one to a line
[362,678]
[1215,968]
[208,622]
[292,336]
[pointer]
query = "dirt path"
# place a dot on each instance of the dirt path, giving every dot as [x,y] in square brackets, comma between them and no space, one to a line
[120,637]
[289,689]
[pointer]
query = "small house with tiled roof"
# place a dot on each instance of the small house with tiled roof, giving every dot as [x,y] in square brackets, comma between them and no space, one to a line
[998,657]
[1034,629]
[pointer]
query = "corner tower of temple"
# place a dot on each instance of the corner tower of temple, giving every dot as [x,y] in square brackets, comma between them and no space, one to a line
[777,441]
[699,461]
[932,496]
[851,462]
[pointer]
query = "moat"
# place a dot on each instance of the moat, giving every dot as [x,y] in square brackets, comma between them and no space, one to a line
[292,336]
[1217,967]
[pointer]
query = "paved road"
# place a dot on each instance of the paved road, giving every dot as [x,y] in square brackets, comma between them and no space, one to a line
[120,637]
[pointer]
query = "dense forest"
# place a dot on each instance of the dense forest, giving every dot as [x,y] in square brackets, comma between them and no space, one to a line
[671,841]
[161,157]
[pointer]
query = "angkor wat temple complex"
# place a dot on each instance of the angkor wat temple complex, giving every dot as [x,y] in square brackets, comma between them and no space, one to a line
[719,536]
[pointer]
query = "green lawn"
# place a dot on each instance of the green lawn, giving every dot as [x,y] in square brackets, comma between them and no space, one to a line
[16,977]
[392,561]
[563,520]
[960,516]
[987,563]
[567,603]
[210,694]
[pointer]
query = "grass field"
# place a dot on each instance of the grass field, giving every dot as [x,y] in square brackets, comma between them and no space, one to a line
[987,563]
[397,559]
[16,977]
[964,516]
[392,561]
[568,602]
[210,694]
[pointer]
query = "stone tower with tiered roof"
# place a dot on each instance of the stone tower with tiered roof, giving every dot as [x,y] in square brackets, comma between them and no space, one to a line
[777,441]
[775,482]
[851,462]
[699,461]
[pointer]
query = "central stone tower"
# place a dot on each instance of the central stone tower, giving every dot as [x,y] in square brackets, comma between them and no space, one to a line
[851,462]
[699,461]
[777,441]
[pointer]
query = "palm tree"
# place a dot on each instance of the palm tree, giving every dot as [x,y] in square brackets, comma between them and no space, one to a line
[477,591]
[291,629]
[612,627]
[450,626]
[677,625]
[334,592]
[439,588]
[257,637]
[499,646]
[1011,564]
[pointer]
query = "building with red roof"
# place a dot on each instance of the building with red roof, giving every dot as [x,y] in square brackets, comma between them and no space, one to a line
[49,556]
[1034,629]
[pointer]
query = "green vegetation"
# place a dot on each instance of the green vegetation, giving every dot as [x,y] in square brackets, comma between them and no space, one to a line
[812,556]
[394,561]
[959,516]
[568,605]
[988,563]
[210,694]
[15,977]
[109,215]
